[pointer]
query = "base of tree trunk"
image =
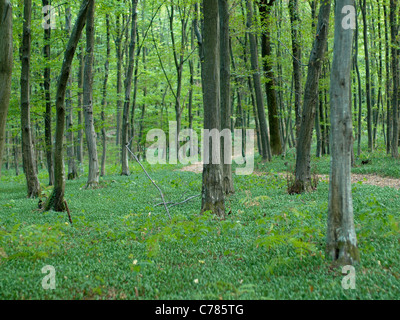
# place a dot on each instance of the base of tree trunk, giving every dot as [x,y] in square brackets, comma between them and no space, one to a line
[92,185]
[72,176]
[343,253]
[299,187]
[55,202]
[217,208]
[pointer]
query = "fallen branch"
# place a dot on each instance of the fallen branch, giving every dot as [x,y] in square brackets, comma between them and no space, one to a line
[137,160]
[173,204]
[69,214]
[190,198]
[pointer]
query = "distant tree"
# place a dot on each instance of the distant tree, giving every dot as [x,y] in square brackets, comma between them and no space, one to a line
[341,236]
[6,58]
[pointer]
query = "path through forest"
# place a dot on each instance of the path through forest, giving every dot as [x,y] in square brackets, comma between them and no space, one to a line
[370,179]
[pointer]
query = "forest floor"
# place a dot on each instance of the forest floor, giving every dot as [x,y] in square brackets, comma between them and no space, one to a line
[271,245]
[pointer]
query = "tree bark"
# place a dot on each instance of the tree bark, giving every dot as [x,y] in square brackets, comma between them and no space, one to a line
[225,90]
[265,8]
[395,75]
[341,236]
[6,64]
[32,180]
[93,177]
[212,188]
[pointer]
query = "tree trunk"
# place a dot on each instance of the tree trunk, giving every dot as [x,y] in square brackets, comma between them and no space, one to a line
[265,146]
[265,8]
[303,162]
[32,180]
[79,147]
[367,75]
[395,75]
[72,170]
[225,90]
[93,177]
[47,115]
[104,100]
[212,188]
[341,236]
[6,64]
[56,200]
[128,86]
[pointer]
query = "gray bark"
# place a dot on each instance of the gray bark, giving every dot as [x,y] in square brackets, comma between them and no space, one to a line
[212,188]
[341,237]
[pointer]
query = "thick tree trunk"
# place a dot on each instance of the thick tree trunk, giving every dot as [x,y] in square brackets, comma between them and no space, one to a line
[93,177]
[303,162]
[341,236]
[6,64]
[225,89]
[32,180]
[212,188]
[56,200]
[128,86]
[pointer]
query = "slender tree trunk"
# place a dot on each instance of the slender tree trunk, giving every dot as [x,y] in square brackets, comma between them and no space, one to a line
[212,188]
[72,170]
[367,75]
[93,177]
[303,162]
[32,180]
[387,95]
[79,145]
[341,236]
[266,149]
[47,92]
[225,90]
[104,100]
[6,64]
[128,86]
[265,8]
[56,200]
[395,75]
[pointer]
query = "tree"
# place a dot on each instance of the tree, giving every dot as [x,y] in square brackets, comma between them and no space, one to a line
[265,8]
[6,64]
[28,157]
[93,177]
[56,199]
[212,188]
[303,167]
[395,74]
[341,236]
[47,93]
[265,146]
[225,89]
[128,87]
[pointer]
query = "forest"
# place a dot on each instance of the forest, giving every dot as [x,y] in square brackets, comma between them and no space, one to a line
[199,150]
